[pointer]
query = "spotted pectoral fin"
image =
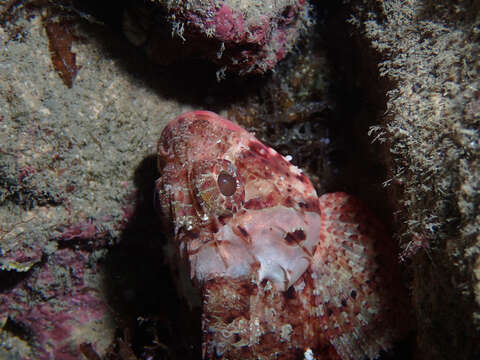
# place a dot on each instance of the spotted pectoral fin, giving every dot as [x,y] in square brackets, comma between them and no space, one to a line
[354,285]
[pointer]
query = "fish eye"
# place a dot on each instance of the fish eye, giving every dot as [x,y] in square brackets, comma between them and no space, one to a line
[217,187]
[226,183]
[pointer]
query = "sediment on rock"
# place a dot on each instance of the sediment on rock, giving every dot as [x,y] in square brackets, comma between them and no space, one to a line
[430,52]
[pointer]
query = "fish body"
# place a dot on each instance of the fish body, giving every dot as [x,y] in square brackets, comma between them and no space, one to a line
[278,272]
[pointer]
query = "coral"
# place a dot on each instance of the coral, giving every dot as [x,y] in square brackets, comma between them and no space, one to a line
[274,268]
[240,36]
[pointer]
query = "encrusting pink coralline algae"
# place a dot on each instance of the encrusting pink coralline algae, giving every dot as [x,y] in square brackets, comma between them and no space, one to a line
[241,36]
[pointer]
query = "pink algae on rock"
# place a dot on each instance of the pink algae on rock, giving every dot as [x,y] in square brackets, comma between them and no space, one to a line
[228,25]
[56,309]
[240,36]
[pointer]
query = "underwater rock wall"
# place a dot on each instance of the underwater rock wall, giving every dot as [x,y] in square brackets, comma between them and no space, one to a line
[430,52]
[81,111]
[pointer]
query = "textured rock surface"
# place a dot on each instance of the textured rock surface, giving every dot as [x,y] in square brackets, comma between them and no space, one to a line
[74,161]
[67,162]
[60,306]
[431,53]
[242,36]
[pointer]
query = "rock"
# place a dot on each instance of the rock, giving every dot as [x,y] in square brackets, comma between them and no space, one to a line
[239,36]
[430,55]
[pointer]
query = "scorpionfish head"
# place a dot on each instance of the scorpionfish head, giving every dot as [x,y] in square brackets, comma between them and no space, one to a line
[235,204]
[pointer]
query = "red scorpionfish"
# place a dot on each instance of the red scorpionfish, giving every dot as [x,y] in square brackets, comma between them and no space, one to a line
[278,272]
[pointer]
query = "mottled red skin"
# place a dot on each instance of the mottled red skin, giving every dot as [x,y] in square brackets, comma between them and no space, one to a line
[281,271]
